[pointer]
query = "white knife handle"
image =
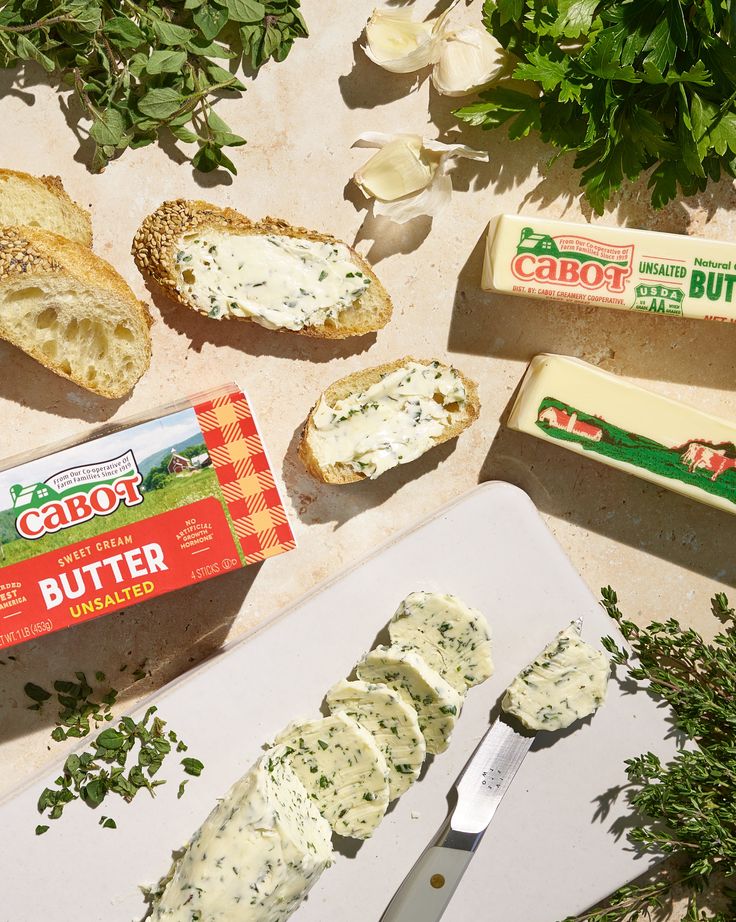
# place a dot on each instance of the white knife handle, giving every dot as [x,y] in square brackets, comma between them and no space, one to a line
[428,887]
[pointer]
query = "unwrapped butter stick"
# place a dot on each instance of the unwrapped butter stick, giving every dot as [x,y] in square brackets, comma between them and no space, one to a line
[611,267]
[593,412]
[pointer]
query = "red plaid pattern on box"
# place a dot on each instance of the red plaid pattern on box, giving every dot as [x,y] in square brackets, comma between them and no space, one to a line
[237,454]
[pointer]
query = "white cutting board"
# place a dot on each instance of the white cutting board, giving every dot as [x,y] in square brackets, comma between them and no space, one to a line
[548,853]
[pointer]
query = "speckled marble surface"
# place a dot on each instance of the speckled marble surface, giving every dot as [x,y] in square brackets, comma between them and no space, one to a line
[664,554]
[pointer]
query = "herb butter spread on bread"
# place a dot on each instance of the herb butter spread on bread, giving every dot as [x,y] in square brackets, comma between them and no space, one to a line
[219,263]
[71,311]
[42,201]
[370,422]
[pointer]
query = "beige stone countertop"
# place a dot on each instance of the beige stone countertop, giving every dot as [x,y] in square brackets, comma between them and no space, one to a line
[664,554]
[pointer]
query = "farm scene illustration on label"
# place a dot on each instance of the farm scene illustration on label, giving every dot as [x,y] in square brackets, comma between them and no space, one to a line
[697,462]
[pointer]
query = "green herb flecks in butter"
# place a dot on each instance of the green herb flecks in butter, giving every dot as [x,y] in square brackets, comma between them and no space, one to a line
[394,421]
[278,281]
[565,683]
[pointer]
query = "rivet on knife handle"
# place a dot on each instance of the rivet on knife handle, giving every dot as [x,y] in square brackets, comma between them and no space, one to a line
[428,887]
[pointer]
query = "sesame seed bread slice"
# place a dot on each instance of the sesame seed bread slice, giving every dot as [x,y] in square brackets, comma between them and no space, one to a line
[460,418]
[42,201]
[71,311]
[157,243]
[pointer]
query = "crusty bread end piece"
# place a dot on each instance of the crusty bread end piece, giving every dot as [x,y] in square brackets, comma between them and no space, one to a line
[361,381]
[71,311]
[42,201]
[155,247]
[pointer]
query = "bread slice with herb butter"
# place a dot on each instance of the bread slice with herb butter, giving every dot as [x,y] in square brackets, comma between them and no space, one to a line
[42,201]
[71,311]
[381,417]
[221,264]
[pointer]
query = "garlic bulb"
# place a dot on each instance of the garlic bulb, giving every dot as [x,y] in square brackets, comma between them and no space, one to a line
[401,44]
[468,60]
[409,176]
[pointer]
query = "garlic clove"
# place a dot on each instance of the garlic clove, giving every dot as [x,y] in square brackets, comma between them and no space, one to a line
[468,60]
[398,43]
[409,176]
[398,169]
[401,44]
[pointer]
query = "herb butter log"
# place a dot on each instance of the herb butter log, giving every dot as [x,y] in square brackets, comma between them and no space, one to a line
[256,855]
[393,723]
[374,420]
[604,417]
[454,639]
[221,264]
[624,268]
[436,702]
[71,311]
[342,768]
[565,683]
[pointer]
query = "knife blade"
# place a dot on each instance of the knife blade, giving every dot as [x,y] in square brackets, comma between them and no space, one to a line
[427,889]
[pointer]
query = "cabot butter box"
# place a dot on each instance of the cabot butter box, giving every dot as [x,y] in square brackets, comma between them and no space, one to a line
[153,505]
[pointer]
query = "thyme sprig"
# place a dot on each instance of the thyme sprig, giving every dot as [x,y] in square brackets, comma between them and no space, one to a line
[687,807]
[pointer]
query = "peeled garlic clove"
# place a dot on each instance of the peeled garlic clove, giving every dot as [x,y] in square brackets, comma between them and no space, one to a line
[399,44]
[409,176]
[468,60]
[398,169]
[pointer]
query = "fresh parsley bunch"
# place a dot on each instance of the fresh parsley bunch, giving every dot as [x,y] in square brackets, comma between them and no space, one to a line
[628,86]
[144,69]
[687,808]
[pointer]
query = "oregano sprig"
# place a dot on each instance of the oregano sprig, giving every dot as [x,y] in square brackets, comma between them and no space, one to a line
[143,70]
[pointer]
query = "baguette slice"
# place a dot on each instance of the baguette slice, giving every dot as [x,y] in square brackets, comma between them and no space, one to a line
[71,311]
[42,201]
[360,381]
[157,243]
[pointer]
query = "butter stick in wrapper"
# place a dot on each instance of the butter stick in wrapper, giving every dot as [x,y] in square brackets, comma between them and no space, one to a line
[598,414]
[181,495]
[611,267]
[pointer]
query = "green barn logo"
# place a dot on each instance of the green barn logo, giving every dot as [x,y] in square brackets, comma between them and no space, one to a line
[76,495]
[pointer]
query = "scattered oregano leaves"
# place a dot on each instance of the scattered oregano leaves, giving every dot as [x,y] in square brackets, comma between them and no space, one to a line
[142,71]
[686,808]
[123,759]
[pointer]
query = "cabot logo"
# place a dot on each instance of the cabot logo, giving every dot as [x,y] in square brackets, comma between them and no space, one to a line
[76,495]
[572,260]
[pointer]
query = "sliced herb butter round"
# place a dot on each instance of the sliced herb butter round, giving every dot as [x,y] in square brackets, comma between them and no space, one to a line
[256,855]
[566,682]
[436,702]
[342,768]
[454,639]
[392,422]
[392,722]
[278,281]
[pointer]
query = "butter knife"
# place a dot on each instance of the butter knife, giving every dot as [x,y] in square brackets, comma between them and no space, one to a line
[428,887]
